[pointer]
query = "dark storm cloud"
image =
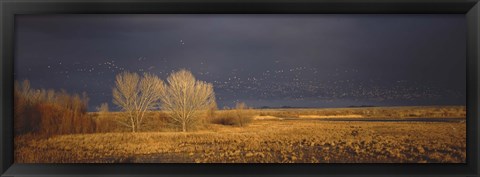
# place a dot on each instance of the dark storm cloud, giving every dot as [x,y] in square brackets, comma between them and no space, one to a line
[271,60]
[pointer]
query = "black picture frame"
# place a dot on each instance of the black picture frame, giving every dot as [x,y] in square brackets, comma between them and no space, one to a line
[10,8]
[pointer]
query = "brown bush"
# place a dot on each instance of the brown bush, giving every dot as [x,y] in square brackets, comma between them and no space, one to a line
[46,112]
[240,116]
[225,118]
[243,114]
[211,112]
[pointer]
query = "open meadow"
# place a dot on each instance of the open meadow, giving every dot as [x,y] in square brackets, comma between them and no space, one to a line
[343,135]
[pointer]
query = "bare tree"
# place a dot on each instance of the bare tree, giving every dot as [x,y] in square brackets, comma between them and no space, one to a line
[136,95]
[103,107]
[185,97]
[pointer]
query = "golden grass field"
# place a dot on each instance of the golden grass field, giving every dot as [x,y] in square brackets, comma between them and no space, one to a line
[343,135]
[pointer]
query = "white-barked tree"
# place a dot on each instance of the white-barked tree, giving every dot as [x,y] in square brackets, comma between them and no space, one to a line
[136,95]
[184,98]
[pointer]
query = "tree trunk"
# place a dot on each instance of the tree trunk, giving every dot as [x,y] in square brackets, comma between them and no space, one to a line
[184,127]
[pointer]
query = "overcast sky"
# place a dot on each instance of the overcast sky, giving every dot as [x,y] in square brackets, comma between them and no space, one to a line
[264,60]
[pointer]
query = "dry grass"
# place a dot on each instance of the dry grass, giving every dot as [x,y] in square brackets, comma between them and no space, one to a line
[272,141]
[158,121]
[331,116]
[369,112]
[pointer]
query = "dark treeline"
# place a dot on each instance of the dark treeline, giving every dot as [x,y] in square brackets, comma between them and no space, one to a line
[48,112]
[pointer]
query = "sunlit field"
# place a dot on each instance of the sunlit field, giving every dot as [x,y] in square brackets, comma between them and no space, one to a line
[341,135]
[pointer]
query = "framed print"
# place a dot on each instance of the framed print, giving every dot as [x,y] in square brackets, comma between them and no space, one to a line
[190,88]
